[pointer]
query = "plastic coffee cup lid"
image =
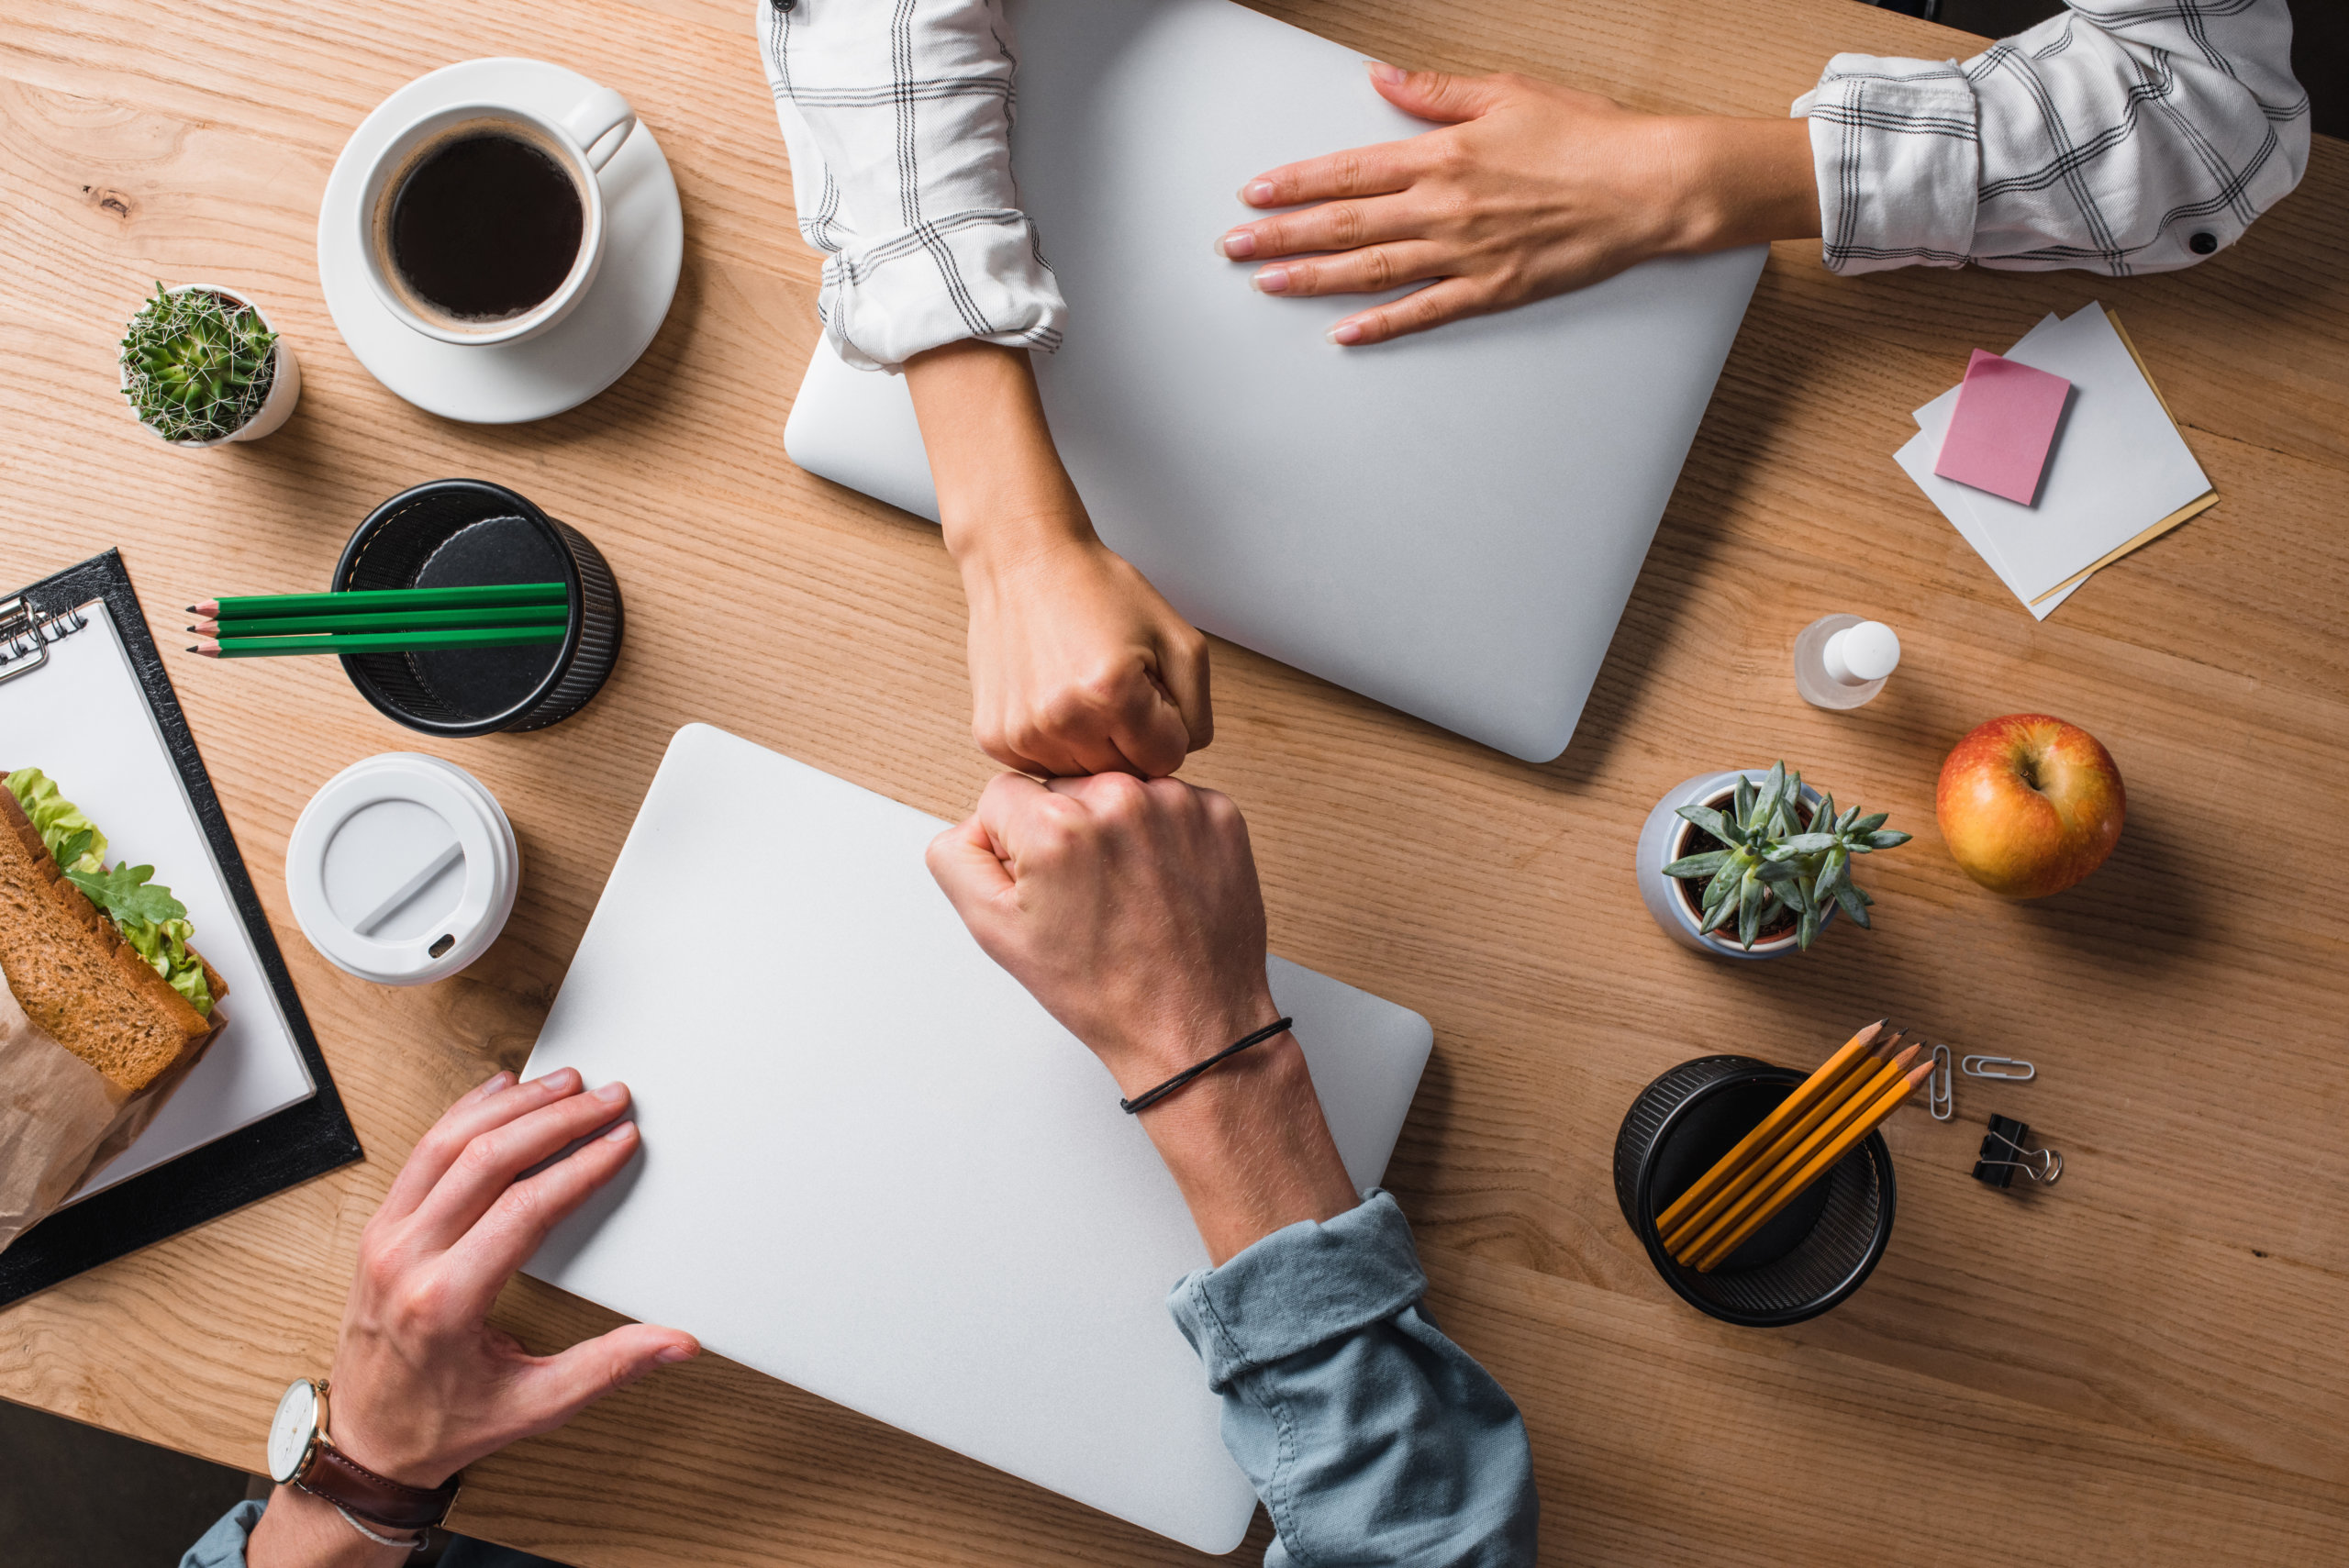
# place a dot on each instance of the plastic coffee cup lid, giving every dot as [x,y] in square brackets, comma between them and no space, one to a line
[402,869]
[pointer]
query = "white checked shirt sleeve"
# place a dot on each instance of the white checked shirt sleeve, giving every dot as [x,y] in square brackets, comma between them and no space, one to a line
[897,115]
[2122,136]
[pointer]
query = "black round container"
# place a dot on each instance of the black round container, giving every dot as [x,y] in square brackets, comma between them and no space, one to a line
[1807,1259]
[458,533]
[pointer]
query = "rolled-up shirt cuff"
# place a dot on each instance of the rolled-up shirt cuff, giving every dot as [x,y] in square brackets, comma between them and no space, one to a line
[975,274]
[1301,1287]
[1896,146]
[223,1546]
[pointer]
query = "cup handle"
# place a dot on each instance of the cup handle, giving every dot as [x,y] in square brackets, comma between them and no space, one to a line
[598,115]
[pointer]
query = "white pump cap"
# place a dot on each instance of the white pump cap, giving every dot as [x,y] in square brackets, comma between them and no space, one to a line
[1858,654]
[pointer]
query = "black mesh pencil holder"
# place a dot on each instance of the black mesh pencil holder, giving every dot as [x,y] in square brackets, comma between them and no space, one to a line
[1806,1259]
[458,533]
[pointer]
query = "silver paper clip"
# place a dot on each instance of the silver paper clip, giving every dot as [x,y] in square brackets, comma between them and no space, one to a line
[1939,1092]
[2014,1070]
[2042,1166]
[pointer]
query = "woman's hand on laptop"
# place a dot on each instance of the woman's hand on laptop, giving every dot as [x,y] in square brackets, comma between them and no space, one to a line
[1077,664]
[1527,190]
[421,1384]
[1129,908]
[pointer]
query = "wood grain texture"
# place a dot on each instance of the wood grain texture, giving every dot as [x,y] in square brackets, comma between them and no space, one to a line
[2146,1364]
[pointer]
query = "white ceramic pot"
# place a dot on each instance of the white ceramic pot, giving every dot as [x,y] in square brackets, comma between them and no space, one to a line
[1661,837]
[284,386]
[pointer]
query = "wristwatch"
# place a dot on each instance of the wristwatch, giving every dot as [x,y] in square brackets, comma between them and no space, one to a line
[302,1454]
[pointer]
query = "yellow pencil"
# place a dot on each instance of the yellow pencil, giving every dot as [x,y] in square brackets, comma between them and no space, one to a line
[1866,1072]
[1696,1241]
[1817,1166]
[1782,1116]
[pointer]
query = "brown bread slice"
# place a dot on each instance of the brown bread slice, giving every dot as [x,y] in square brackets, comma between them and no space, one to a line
[77,978]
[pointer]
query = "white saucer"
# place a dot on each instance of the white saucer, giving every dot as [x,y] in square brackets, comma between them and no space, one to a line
[503,384]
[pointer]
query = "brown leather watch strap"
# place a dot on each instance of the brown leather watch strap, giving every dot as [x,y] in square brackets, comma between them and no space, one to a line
[378,1499]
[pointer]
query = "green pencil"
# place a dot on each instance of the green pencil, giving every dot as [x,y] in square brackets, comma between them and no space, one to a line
[377,642]
[407,620]
[241,606]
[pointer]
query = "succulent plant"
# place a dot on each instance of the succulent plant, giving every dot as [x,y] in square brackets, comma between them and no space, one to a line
[1773,860]
[197,365]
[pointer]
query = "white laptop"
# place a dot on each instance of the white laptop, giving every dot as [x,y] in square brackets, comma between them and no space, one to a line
[874,1167]
[1450,523]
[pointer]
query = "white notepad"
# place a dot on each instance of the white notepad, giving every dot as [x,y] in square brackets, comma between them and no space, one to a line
[83,720]
[1916,459]
[874,1167]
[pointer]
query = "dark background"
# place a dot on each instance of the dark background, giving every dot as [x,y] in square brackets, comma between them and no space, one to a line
[74,1496]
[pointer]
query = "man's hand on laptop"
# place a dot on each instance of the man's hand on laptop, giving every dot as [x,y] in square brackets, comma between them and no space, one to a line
[1077,664]
[1527,190]
[1130,910]
[421,1384]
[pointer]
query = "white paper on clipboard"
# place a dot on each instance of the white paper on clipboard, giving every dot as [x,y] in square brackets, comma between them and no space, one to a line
[83,718]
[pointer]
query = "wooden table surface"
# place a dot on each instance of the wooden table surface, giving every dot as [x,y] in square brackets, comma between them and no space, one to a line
[2147,1364]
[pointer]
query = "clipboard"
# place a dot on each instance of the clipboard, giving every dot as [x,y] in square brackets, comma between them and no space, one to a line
[305,1138]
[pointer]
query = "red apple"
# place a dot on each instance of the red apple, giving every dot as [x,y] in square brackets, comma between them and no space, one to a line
[2029,805]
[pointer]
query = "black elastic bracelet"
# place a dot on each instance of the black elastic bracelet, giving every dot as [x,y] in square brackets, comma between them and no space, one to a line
[1149,1098]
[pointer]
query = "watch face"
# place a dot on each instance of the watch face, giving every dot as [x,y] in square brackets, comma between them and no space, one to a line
[290,1433]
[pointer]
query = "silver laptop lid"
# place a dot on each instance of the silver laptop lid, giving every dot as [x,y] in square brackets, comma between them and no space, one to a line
[875,1168]
[1451,523]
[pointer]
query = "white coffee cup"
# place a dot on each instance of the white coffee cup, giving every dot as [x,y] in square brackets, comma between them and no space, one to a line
[581,142]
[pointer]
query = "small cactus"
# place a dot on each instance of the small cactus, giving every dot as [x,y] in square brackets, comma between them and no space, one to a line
[197,365]
[1773,860]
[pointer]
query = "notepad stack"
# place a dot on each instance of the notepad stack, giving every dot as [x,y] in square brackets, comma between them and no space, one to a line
[2117,473]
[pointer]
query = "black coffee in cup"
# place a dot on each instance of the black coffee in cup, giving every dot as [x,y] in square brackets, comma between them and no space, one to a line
[483,224]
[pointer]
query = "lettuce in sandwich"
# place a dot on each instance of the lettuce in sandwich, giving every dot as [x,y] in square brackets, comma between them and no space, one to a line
[154,923]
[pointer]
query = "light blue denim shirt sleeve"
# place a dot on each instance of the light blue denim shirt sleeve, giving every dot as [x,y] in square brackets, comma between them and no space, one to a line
[223,1545]
[1371,1437]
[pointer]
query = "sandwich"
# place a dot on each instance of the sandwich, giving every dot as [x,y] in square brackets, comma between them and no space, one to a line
[97,956]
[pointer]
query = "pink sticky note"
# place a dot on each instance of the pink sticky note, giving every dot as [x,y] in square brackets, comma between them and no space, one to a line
[2005,422]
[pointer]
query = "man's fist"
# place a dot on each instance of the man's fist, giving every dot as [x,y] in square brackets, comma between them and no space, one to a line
[1129,907]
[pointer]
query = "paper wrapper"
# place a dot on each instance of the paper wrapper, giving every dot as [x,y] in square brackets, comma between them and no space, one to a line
[59,1119]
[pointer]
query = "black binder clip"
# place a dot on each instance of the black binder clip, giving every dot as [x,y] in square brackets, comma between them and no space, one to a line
[2007,1148]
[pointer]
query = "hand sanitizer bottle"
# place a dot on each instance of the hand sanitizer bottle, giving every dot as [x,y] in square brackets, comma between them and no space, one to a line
[1841,661]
